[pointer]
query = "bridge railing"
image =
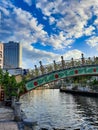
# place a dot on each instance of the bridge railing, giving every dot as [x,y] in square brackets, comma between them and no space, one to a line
[63,64]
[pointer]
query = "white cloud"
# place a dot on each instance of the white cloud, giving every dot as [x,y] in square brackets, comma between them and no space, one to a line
[74,15]
[96,21]
[23,26]
[93,42]
[51,20]
[75,54]
[46,57]
[89,31]
[71,19]
[29,2]
[4,10]
[72,23]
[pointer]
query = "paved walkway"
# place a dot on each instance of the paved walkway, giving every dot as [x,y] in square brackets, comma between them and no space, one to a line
[8,125]
[7,119]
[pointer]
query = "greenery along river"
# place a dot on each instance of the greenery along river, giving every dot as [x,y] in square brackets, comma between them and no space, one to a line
[54,109]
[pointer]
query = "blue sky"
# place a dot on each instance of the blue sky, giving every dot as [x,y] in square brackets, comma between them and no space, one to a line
[48,29]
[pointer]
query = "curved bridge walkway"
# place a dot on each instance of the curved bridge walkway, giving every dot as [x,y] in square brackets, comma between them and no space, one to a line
[62,69]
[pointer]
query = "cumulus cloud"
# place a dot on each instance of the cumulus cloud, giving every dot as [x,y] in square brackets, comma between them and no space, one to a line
[21,25]
[74,15]
[29,2]
[51,20]
[71,19]
[89,31]
[93,42]
[47,57]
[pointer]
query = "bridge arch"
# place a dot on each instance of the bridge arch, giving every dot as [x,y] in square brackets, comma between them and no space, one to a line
[60,74]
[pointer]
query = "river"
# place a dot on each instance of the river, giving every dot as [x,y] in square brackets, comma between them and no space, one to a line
[52,108]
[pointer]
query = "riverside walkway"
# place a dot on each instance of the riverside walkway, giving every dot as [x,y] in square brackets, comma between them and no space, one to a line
[7,119]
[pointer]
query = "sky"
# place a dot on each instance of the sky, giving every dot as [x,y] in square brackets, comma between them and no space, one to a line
[49,29]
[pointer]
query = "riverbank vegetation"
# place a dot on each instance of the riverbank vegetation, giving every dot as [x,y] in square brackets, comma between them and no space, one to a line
[83,81]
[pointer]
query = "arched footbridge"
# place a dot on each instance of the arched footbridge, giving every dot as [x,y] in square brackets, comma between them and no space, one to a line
[62,69]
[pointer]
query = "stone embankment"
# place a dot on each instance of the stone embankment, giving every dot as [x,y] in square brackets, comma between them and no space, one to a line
[7,119]
[79,92]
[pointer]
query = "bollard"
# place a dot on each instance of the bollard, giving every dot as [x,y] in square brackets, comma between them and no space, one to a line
[17,111]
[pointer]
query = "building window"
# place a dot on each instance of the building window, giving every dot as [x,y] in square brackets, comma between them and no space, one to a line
[0,55]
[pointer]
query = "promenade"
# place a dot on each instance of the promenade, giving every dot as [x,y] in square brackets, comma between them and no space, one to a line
[7,119]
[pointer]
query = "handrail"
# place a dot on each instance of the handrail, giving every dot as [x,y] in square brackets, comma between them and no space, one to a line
[63,64]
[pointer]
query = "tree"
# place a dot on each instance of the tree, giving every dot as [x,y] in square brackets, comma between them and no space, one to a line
[11,86]
[1,78]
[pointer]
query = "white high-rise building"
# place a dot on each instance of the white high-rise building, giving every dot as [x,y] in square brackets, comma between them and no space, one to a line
[12,55]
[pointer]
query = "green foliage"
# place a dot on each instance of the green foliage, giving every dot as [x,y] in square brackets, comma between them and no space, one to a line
[1,77]
[95,82]
[10,85]
[94,85]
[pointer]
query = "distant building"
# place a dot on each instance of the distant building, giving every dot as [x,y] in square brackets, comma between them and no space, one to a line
[1,55]
[12,55]
[14,71]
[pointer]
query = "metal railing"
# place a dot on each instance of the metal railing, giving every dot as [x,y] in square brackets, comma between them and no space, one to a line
[63,64]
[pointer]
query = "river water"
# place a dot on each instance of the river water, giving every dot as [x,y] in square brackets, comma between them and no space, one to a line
[52,108]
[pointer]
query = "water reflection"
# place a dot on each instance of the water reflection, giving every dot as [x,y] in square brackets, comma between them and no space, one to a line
[87,108]
[56,109]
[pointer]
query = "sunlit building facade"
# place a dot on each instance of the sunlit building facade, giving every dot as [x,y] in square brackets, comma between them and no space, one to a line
[12,55]
[1,55]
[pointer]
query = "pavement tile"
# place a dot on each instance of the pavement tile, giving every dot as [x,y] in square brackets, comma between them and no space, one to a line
[7,119]
[8,126]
